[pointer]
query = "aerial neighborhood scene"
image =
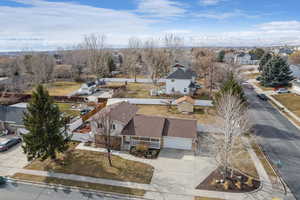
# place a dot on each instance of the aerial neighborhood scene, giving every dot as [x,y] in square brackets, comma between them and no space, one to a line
[149,100]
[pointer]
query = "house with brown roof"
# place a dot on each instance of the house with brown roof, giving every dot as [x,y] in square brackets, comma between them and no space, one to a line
[130,129]
[185,104]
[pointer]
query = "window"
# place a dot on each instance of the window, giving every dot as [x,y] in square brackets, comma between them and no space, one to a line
[184,89]
[172,80]
[99,125]
[173,89]
[113,126]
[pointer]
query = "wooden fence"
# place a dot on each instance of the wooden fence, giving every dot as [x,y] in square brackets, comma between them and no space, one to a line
[99,107]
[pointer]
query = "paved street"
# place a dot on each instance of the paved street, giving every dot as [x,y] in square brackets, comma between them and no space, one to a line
[279,138]
[29,192]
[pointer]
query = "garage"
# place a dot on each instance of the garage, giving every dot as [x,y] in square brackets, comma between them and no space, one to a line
[177,143]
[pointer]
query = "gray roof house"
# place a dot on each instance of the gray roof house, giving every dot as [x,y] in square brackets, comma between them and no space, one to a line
[181,80]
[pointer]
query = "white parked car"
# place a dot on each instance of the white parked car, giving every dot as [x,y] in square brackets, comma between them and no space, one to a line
[282,91]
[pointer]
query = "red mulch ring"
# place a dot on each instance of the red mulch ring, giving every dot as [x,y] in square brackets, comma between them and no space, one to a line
[216,175]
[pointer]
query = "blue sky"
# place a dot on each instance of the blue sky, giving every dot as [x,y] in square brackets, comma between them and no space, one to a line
[49,24]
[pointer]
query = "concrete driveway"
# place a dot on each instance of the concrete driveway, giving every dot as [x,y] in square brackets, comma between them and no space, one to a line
[11,160]
[177,171]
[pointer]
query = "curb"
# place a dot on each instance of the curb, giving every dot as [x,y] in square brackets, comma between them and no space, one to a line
[73,188]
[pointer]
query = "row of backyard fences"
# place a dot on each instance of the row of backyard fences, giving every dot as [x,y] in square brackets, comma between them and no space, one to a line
[139,101]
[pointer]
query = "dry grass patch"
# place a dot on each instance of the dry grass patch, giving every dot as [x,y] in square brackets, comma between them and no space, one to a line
[252,75]
[264,161]
[263,88]
[204,117]
[206,198]
[291,101]
[62,88]
[67,108]
[243,161]
[81,184]
[95,164]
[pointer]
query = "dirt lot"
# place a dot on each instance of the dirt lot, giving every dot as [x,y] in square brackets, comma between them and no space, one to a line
[199,113]
[291,101]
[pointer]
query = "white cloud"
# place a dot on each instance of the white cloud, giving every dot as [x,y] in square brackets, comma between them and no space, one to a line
[210,2]
[280,26]
[225,15]
[161,8]
[52,24]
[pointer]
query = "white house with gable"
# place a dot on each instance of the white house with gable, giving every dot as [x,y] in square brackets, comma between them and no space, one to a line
[181,80]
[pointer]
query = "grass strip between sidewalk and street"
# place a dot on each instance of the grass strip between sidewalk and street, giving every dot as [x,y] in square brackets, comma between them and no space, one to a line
[81,184]
[206,198]
[265,162]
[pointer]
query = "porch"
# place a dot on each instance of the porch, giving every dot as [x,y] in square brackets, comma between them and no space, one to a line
[132,141]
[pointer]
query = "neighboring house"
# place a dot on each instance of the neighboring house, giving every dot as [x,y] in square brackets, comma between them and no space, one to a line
[130,129]
[87,88]
[181,80]
[185,104]
[229,57]
[245,59]
[296,87]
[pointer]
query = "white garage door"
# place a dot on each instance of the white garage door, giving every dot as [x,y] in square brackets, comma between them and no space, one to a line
[177,143]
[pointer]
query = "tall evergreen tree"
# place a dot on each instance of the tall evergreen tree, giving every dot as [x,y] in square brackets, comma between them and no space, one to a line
[231,86]
[47,128]
[264,60]
[276,73]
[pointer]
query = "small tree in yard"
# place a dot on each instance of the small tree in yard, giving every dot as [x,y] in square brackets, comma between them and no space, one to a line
[47,128]
[104,125]
[233,116]
[231,85]
[276,73]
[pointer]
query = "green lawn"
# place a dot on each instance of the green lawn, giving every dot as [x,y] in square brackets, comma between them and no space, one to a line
[95,164]
[81,184]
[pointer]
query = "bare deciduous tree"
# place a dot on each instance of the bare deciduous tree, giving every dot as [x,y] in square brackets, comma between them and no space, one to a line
[233,115]
[97,54]
[103,124]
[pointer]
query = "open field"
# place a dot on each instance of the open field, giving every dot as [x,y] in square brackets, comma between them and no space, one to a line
[199,113]
[291,101]
[95,164]
[81,184]
[62,88]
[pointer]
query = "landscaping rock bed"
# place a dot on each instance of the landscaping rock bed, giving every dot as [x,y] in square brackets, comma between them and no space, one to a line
[239,183]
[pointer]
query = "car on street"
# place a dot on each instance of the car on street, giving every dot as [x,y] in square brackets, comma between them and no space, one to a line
[282,91]
[262,97]
[7,144]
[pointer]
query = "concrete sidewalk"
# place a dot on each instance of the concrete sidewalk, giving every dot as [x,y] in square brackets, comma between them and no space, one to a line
[159,191]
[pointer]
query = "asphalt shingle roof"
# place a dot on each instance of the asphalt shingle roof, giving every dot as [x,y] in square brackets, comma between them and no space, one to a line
[182,73]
